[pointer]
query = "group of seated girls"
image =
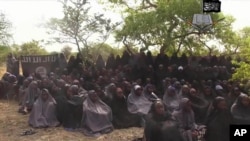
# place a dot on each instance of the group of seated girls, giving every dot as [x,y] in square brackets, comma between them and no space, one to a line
[93,112]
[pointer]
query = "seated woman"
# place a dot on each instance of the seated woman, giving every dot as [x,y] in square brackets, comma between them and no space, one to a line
[97,116]
[137,102]
[186,121]
[69,108]
[218,121]
[43,113]
[241,110]
[148,92]
[121,116]
[199,105]
[160,126]
[171,99]
[30,96]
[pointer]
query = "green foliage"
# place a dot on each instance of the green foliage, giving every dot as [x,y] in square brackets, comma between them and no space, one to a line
[30,48]
[79,25]
[165,24]
[244,53]
[242,72]
[4,51]
[5,26]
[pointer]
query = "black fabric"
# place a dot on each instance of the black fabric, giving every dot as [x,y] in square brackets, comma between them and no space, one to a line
[218,126]
[161,128]
[122,118]
[69,111]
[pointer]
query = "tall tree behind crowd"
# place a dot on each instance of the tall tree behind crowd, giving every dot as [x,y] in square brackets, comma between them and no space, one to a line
[5,37]
[165,24]
[79,25]
[5,33]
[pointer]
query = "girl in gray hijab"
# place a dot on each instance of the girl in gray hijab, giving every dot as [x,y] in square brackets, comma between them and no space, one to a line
[186,121]
[43,113]
[148,92]
[171,99]
[137,102]
[30,95]
[97,116]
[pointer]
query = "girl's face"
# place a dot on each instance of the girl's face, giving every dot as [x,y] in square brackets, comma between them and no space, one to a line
[119,92]
[45,95]
[159,108]
[94,97]
[208,91]
[222,105]
[138,91]
[150,89]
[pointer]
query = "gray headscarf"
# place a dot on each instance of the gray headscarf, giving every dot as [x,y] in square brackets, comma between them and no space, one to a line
[172,102]
[43,113]
[31,93]
[138,104]
[97,116]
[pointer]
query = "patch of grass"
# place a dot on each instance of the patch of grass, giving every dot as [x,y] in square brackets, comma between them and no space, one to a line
[12,124]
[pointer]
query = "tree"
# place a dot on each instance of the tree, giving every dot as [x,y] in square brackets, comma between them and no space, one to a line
[5,27]
[30,48]
[4,51]
[165,24]
[243,55]
[78,26]
[66,50]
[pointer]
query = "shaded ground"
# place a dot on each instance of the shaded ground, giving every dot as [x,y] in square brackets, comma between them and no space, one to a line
[12,124]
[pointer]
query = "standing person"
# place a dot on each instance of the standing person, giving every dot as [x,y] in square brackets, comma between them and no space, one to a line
[43,113]
[11,62]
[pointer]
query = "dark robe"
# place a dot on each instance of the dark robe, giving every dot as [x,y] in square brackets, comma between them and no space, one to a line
[125,58]
[117,61]
[161,128]
[71,65]
[69,111]
[100,63]
[111,62]
[161,59]
[3,88]
[218,126]
[241,113]
[149,59]
[199,106]
[122,118]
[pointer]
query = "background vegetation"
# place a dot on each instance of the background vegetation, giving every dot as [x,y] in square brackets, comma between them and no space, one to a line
[147,24]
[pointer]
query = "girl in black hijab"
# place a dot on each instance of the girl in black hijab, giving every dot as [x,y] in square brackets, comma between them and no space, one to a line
[218,121]
[160,126]
[241,110]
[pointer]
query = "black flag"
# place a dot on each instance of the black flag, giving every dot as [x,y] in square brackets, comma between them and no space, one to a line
[211,6]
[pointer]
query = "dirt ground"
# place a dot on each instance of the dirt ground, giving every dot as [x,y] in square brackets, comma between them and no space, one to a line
[12,124]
